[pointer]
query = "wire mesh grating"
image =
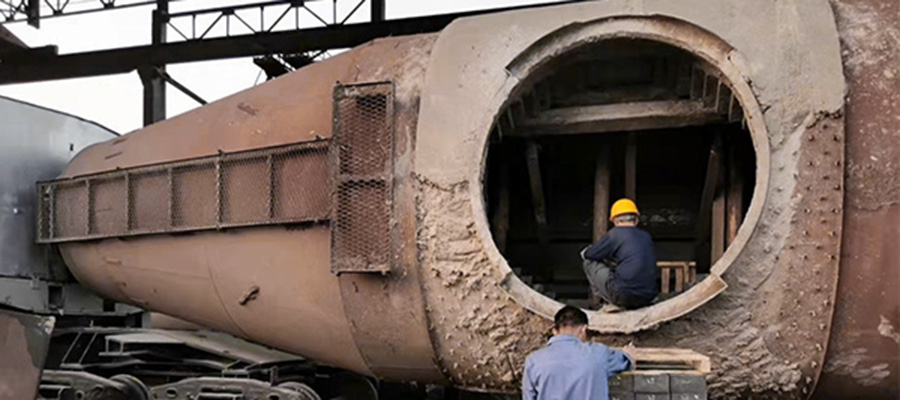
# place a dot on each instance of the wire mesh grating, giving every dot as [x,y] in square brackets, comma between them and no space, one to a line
[363,135]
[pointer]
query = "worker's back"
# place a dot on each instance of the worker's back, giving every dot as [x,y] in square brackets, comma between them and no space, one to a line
[632,251]
[569,369]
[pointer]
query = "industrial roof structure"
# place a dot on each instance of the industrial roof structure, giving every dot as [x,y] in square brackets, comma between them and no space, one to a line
[180,37]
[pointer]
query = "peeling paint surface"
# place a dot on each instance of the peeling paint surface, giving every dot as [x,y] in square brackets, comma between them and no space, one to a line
[481,335]
[886,329]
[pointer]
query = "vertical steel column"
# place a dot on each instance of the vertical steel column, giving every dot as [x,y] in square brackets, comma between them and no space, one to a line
[378,11]
[151,77]
[33,11]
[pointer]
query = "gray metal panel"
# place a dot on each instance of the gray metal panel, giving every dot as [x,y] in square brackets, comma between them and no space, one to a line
[35,144]
[33,295]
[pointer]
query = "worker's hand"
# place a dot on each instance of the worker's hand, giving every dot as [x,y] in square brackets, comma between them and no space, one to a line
[631,351]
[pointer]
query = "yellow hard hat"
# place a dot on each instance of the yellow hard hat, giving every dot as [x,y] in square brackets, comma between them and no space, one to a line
[623,206]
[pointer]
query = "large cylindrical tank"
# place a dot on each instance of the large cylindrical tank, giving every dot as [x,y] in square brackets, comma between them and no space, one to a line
[340,212]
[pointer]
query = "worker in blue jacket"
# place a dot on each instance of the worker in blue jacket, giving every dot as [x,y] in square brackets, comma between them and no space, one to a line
[570,367]
[621,266]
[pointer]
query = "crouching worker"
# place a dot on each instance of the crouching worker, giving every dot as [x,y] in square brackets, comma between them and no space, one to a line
[570,367]
[621,266]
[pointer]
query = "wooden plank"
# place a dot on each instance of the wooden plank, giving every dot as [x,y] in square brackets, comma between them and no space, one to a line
[717,238]
[679,279]
[673,264]
[537,191]
[601,194]
[619,117]
[631,167]
[697,361]
[601,204]
[734,201]
[692,273]
[707,197]
[500,219]
[665,279]
[718,228]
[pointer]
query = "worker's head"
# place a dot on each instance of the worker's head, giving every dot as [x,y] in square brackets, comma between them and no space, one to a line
[570,321]
[624,213]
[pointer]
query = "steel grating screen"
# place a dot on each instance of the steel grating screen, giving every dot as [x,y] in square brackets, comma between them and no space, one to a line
[276,185]
[363,154]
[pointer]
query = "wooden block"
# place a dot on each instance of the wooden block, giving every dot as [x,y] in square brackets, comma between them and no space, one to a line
[664,280]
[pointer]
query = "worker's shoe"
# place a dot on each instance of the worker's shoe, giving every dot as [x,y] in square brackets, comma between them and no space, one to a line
[611,308]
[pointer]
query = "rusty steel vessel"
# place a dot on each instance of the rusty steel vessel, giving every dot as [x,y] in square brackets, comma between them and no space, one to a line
[412,209]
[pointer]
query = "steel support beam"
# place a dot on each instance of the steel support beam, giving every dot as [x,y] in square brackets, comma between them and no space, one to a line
[183,89]
[152,75]
[378,10]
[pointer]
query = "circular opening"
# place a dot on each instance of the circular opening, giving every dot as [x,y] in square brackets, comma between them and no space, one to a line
[618,118]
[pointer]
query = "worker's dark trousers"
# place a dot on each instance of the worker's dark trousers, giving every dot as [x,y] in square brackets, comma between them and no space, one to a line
[600,277]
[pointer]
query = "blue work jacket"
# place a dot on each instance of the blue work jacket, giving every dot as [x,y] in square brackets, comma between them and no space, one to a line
[631,250]
[569,369]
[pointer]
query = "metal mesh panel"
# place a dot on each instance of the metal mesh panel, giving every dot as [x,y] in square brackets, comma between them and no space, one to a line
[151,201]
[278,185]
[70,216]
[362,236]
[363,135]
[108,214]
[245,196]
[291,174]
[195,201]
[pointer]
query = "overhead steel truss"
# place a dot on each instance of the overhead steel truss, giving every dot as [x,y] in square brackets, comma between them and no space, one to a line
[33,11]
[254,29]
